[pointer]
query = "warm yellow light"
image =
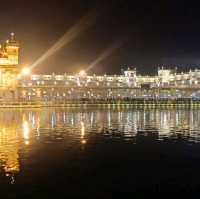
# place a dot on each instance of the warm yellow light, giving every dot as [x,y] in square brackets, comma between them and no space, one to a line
[25,71]
[19,76]
[83,141]
[27,142]
[82,130]
[82,73]
[25,130]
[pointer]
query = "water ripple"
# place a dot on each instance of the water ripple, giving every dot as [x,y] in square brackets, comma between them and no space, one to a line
[24,132]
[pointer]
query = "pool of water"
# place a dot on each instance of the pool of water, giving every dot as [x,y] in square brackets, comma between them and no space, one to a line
[98,153]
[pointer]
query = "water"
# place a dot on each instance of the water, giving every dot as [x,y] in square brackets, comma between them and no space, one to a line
[98,153]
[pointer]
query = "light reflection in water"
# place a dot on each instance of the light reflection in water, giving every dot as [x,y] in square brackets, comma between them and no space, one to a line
[9,149]
[83,141]
[26,132]
[19,128]
[9,146]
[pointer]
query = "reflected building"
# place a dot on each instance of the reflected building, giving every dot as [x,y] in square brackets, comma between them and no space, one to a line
[22,130]
[9,145]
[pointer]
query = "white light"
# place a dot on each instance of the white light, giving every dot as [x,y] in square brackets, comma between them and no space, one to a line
[25,71]
[82,73]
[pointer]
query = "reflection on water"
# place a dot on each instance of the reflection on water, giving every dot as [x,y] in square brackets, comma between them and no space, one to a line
[9,142]
[23,131]
[83,141]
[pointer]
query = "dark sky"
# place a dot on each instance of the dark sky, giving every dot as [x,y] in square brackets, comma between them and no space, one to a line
[150,34]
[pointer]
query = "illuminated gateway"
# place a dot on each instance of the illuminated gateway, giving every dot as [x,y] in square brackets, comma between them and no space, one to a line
[15,86]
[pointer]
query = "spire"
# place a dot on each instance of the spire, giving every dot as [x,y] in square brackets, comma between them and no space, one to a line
[12,41]
[12,36]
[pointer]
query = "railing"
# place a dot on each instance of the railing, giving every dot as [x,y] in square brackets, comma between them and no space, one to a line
[147,100]
[111,86]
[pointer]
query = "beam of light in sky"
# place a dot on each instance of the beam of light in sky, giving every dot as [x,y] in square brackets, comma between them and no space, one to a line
[116,45]
[83,24]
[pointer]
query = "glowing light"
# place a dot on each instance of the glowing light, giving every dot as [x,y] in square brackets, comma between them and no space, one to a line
[82,130]
[83,141]
[26,142]
[82,73]
[38,93]
[26,132]
[19,76]
[25,71]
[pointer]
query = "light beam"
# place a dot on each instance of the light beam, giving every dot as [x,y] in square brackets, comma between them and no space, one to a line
[107,52]
[83,24]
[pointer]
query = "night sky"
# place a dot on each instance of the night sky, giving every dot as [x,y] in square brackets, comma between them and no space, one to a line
[141,34]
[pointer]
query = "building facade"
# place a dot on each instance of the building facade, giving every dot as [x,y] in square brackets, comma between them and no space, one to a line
[9,60]
[34,87]
[167,84]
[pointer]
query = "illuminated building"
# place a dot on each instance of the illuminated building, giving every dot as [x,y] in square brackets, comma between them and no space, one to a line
[9,59]
[23,86]
[167,84]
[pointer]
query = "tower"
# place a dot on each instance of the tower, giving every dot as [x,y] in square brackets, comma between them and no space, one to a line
[12,49]
[9,59]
